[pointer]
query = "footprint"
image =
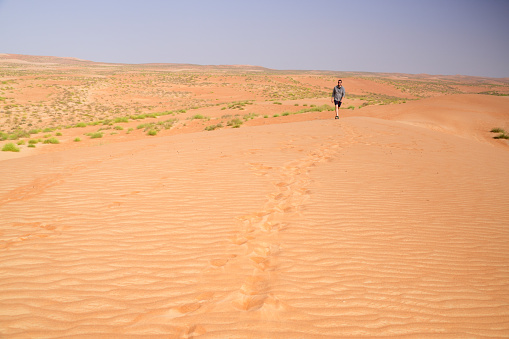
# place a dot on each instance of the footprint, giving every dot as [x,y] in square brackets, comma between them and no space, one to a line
[192,331]
[222,262]
[188,308]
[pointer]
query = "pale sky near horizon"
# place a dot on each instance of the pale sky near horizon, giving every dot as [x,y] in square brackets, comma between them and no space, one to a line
[468,37]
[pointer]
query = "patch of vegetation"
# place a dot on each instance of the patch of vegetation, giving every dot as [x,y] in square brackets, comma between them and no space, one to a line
[95,135]
[494,93]
[10,147]
[214,127]
[51,141]
[157,126]
[377,99]
[502,133]
[152,132]
[238,105]
[121,119]
[249,116]
[77,140]
[235,123]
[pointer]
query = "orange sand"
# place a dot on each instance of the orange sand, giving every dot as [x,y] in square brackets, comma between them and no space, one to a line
[358,227]
[390,222]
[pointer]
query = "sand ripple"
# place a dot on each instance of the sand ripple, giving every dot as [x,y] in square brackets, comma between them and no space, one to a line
[354,228]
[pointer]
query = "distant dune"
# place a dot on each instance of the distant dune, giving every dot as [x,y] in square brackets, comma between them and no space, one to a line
[250,212]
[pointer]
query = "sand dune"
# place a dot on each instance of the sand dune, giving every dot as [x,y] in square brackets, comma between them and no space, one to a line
[389,222]
[359,227]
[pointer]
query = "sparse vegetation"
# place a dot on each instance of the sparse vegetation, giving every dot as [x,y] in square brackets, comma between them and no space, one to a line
[95,135]
[214,127]
[51,141]
[10,147]
[77,98]
[502,134]
[235,123]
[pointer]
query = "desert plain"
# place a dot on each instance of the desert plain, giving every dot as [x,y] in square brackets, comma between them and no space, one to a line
[187,201]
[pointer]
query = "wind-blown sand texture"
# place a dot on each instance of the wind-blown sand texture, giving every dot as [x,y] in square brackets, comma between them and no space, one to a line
[390,222]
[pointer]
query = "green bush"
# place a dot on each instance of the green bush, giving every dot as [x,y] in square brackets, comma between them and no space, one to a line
[96,135]
[10,147]
[121,119]
[502,133]
[152,132]
[213,127]
[235,123]
[51,141]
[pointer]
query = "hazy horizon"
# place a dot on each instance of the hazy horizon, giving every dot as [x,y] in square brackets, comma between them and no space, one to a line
[415,37]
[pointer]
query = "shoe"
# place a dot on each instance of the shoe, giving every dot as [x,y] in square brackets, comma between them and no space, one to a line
[337,117]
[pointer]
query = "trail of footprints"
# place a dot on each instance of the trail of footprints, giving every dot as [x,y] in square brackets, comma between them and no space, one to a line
[258,233]
[258,241]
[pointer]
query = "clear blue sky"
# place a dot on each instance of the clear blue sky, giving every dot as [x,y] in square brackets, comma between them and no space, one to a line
[469,37]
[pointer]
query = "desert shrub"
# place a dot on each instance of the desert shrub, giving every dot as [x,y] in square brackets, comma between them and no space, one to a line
[96,135]
[121,119]
[118,128]
[213,127]
[81,124]
[197,116]
[502,133]
[152,132]
[10,147]
[249,116]
[238,105]
[277,103]
[51,141]
[77,140]
[235,123]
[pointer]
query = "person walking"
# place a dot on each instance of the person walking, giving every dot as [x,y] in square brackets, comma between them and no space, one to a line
[338,94]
